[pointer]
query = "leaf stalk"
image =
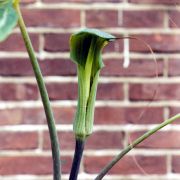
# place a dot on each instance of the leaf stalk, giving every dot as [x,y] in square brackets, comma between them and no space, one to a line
[106,169]
[44,96]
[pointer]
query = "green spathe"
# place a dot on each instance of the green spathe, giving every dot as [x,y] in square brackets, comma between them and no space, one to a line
[8,18]
[86,47]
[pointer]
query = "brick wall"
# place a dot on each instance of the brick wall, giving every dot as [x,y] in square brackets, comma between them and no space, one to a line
[123,110]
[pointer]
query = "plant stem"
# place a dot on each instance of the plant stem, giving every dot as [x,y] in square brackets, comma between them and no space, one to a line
[134,144]
[44,96]
[77,159]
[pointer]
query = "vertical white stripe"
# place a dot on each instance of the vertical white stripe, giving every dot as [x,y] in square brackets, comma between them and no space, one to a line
[126,53]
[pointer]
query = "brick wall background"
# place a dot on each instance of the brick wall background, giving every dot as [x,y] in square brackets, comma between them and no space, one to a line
[123,110]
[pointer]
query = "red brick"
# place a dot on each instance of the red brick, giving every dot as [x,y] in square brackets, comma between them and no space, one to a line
[55,67]
[174,66]
[17,116]
[128,165]
[144,68]
[58,67]
[176,164]
[159,140]
[158,43]
[67,140]
[172,112]
[128,115]
[15,67]
[174,19]
[57,42]
[147,92]
[101,19]
[110,91]
[64,115]
[166,2]
[105,140]
[46,18]
[10,44]
[18,92]
[18,140]
[64,91]
[30,165]
[143,19]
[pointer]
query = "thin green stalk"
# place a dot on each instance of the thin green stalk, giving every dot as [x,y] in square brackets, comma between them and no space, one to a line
[134,144]
[44,96]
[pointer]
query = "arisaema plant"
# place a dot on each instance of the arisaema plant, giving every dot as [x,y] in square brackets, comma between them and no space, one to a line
[86,50]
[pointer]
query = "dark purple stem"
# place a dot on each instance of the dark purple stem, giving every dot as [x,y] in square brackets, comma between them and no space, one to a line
[77,159]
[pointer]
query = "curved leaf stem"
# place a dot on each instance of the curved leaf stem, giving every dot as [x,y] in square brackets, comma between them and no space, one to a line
[134,144]
[77,159]
[44,96]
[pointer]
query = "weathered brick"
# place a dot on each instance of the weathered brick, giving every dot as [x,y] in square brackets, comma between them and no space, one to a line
[174,66]
[166,2]
[110,91]
[30,165]
[64,91]
[13,67]
[18,140]
[67,140]
[144,68]
[172,112]
[45,18]
[159,140]
[154,92]
[105,140]
[101,19]
[64,115]
[143,19]
[127,165]
[176,164]
[57,42]
[128,115]
[17,116]
[18,92]
[174,21]
[158,43]
[15,43]
[56,67]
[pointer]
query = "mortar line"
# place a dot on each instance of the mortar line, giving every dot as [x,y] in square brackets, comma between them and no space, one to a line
[98,6]
[115,30]
[103,80]
[64,103]
[83,19]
